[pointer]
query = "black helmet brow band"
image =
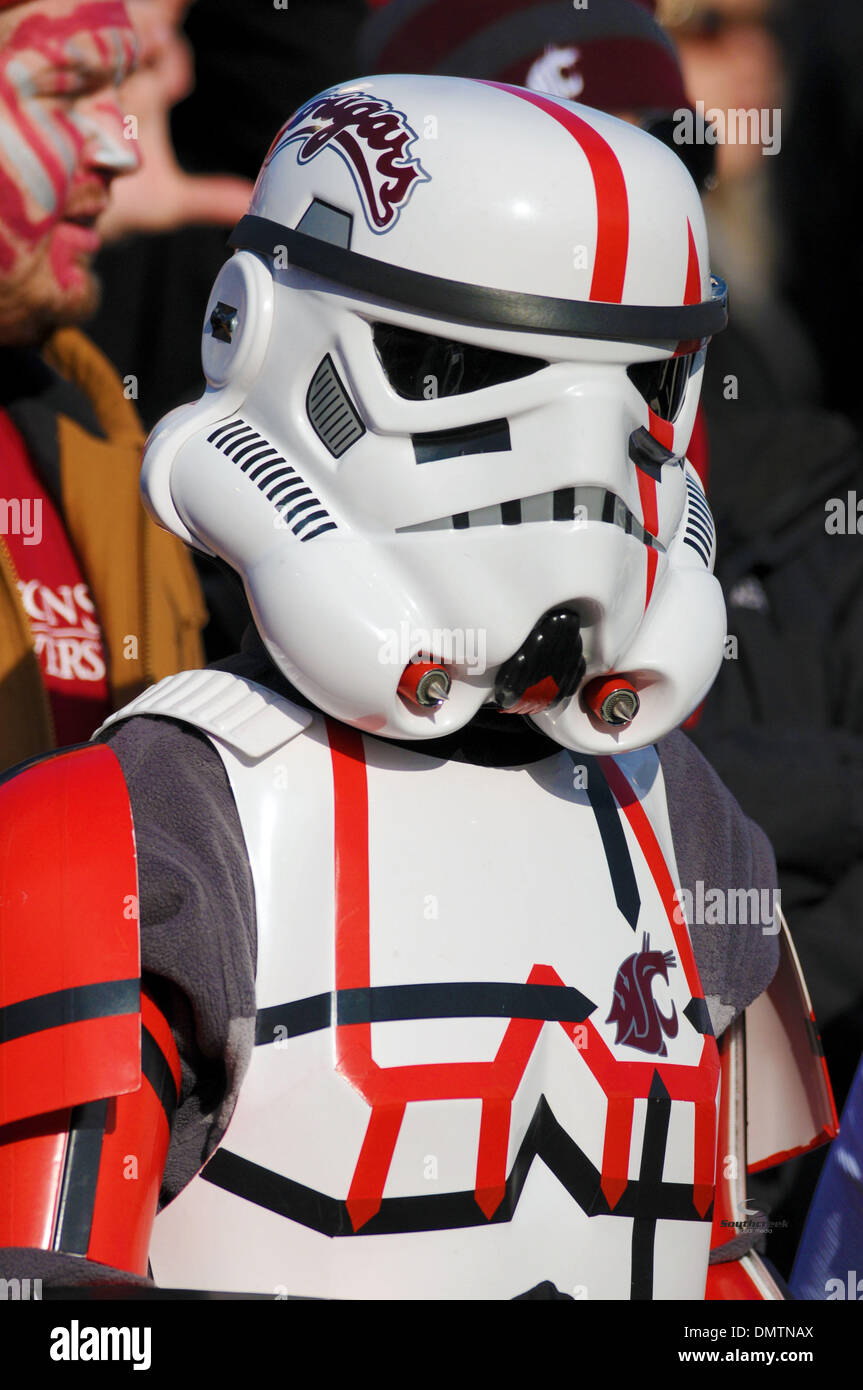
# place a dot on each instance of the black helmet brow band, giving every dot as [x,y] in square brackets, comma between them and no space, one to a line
[492,308]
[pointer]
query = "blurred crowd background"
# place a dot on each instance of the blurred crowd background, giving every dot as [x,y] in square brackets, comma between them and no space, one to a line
[782,406]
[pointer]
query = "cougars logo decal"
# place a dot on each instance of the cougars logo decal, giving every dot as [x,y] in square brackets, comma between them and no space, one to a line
[640,1023]
[371,137]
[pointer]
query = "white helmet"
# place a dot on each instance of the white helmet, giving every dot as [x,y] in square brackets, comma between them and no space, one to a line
[453,370]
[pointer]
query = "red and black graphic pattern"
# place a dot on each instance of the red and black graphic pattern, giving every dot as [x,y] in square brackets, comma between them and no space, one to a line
[543,998]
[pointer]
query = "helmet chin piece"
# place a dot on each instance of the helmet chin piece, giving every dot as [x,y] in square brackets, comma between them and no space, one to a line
[444,430]
[547,668]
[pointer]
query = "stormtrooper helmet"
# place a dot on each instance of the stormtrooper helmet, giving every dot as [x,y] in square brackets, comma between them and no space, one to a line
[452,371]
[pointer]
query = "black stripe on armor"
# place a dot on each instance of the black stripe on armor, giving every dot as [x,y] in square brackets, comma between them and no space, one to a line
[104,1000]
[545,1139]
[393,1003]
[156,1068]
[699,1016]
[71,1233]
[617,855]
[650,1185]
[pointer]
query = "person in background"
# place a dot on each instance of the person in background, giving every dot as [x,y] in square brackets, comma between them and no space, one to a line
[95,602]
[166,236]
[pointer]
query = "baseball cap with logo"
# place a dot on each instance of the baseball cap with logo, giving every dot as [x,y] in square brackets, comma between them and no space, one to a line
[611,54]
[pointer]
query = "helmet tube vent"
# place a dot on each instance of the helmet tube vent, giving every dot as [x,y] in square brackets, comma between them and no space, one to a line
[329,408]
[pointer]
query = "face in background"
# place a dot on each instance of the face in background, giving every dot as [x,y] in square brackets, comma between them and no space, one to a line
[62,142]
[731,60]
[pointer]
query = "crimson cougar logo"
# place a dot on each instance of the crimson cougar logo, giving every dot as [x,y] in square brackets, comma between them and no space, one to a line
[371,137]
[639,1022]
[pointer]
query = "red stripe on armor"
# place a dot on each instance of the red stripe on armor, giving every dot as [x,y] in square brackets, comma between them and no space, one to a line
[831,1129]
[491,1153]
[615,1153]
[612,204]
[650,848]
[729,1280]
[366,1190]
[351,809]
[724,1215]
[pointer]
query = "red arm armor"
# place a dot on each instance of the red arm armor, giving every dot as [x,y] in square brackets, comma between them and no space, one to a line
[89,1072]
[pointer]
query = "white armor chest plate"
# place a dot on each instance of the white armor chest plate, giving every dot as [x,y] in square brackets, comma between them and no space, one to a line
[482,1059]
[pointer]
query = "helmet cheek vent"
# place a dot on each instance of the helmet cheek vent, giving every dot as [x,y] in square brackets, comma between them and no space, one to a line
[331,412]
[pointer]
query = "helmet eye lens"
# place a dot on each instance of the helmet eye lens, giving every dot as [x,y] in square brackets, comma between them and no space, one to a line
[663,384]
[421,367]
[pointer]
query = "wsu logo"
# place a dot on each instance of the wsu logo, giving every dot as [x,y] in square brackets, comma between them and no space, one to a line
[639,1022]
[371,137]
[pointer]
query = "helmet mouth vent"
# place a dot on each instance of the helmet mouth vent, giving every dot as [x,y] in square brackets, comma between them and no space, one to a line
[580,504]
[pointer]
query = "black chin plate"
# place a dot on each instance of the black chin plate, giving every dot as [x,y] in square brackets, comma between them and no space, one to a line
[551,651]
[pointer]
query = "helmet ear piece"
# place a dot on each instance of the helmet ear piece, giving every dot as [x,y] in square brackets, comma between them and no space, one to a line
[237,322]
[236,336]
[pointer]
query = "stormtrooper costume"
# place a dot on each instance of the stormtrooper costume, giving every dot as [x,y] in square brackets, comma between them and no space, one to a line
[426,1018]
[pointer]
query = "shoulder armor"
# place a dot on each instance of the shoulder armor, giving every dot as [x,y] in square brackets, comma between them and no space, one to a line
[789,1100]
[69,950]
[246,716]
[776,1102]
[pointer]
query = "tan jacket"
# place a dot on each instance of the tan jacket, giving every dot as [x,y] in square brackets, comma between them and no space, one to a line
[142,580]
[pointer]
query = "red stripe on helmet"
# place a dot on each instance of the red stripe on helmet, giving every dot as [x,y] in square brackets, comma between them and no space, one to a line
[612,204]
[692,293]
